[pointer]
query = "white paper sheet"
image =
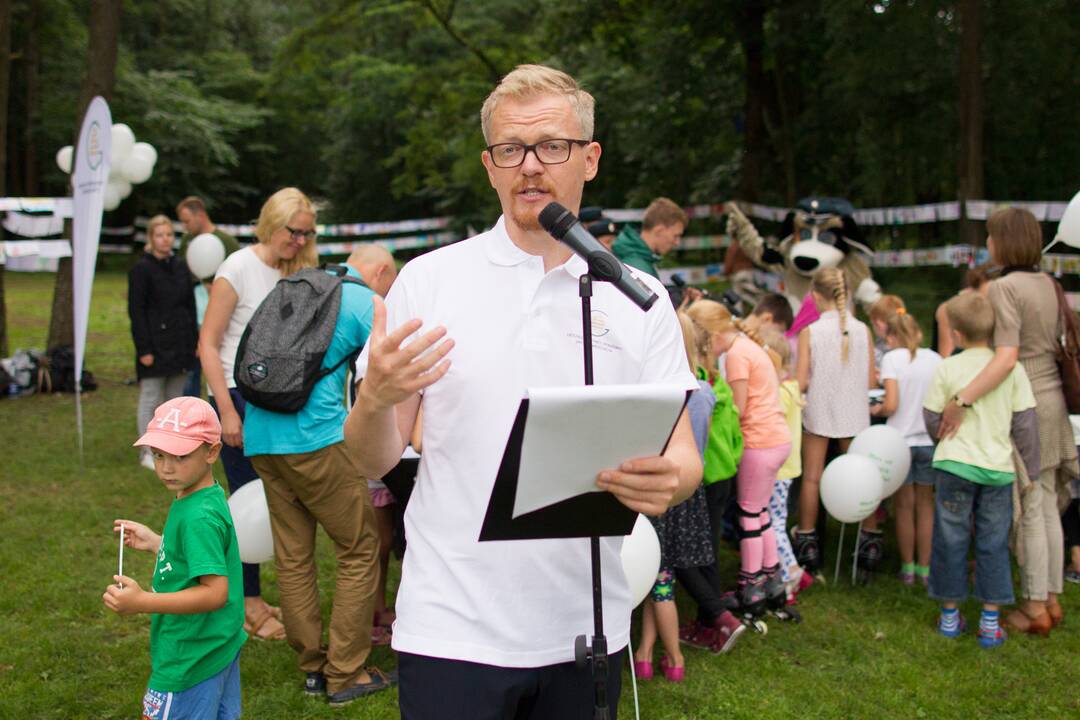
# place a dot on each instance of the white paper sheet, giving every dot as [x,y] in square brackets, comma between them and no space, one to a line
[573,433]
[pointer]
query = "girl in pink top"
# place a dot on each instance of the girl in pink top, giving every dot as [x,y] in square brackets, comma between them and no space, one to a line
[767,441]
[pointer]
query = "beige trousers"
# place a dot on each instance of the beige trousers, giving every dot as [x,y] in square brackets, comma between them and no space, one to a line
[323,488]
[1042,561]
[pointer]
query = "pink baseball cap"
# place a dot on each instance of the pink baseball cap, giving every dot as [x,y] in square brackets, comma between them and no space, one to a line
[181,425]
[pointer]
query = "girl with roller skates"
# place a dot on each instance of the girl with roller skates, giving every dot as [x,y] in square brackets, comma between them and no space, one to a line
[835,368]
[767,442]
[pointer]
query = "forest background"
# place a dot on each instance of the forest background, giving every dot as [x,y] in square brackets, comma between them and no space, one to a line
[373,106]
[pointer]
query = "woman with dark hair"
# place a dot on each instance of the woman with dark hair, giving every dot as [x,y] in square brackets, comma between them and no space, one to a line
[1027,328]
[161,305]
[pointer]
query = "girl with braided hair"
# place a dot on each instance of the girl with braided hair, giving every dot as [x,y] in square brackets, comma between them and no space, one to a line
[835,368]
[755,390]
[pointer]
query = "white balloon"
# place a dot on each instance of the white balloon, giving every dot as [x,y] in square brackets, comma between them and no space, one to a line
[204,254]
[138,169]
[885,446]
[251,519]
[64,157]
[1068,230]
[851,488]
[124,187]
[146,150]
[641,559]
[112,196]
[123,140]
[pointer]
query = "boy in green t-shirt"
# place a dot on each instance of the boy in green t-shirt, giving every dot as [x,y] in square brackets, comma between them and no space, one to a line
[197,604]
[975,472]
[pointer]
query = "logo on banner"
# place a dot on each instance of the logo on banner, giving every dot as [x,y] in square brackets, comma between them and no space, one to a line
[94,155]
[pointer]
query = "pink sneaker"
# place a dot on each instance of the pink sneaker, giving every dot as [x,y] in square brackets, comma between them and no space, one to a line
[672,673]
[697,635]
[643,669]
[726,633]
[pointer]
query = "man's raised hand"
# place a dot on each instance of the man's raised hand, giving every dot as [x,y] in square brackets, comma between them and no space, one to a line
[396,373]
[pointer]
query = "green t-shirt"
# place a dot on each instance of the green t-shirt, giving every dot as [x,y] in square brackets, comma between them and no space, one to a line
[981,450]
[632,250]
[725,446]
[198,539]
[231,244]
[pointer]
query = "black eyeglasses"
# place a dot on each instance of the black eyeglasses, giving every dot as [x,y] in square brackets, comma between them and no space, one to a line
[297,234]
[554,151]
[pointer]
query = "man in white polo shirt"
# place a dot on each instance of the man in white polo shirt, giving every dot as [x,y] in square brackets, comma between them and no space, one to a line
[486,629]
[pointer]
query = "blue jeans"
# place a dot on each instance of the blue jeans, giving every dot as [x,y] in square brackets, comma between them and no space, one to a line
[216,698]
[957,503]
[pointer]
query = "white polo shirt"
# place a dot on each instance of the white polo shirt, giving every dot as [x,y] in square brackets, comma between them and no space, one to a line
[509,603]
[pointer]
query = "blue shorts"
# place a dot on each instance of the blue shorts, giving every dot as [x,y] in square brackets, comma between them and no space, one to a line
[216,698]
[922,470]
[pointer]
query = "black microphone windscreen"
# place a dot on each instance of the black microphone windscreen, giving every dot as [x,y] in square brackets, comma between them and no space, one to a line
[556,219]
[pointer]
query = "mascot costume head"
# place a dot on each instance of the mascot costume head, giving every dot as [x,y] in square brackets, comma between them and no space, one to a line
[819,233]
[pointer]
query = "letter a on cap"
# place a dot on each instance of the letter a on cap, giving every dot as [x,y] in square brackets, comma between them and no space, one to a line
[173,417]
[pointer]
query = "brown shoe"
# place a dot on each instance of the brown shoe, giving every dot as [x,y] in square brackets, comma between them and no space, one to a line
[1056,613]
[1019,621]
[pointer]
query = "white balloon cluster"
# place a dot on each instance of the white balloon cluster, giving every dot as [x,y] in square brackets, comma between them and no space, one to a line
[874,467]
[132,164]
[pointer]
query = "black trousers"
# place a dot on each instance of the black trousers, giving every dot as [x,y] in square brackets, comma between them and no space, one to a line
[440,689]
[1070,525]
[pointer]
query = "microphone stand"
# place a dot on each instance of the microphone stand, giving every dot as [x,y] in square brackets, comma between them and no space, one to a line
[594,653]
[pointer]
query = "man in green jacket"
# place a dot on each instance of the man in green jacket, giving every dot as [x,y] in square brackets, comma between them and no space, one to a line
[661,229]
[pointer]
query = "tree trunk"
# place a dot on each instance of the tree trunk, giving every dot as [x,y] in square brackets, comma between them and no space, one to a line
[32,71]
[100,80]
[5,85]
[751,23]
[971,115]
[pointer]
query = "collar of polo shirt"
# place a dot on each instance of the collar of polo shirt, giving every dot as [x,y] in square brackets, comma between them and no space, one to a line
[501,250]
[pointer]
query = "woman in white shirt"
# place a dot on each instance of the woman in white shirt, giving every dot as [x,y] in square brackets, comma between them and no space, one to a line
[286,243]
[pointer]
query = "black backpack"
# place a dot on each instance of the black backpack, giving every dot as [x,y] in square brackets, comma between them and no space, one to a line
[280,356]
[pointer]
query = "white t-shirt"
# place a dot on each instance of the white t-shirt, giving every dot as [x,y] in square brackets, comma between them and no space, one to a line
[509,603]
[252,279]
[913,378]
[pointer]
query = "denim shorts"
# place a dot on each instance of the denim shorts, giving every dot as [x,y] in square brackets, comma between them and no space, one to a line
[215,698]
[921,471]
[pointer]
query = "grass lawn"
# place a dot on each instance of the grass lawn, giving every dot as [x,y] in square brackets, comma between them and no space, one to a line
[860,653]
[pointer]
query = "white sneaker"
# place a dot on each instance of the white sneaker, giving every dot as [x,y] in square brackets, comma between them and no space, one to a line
[147,461]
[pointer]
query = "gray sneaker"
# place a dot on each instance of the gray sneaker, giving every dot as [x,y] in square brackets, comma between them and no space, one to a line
[379,681]
[1072,576]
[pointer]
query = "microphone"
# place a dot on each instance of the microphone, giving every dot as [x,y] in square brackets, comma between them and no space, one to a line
[564,227]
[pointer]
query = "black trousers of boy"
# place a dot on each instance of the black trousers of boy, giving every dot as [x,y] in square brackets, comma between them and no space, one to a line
[439,689]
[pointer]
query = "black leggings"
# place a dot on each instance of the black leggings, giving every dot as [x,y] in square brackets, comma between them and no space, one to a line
[703,582]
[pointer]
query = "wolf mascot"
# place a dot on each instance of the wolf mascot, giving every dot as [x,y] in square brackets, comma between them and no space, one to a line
[819,233]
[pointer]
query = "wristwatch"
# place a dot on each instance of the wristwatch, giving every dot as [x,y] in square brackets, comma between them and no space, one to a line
[960,403]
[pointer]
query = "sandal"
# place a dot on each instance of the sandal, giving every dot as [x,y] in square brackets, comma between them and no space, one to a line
[380,635]
[1020,622]
[255,628]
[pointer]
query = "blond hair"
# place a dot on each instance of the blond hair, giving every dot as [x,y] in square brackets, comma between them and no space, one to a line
[906,330]
[971,315]
[527,81]
[886,307]
[276,213]
[779,350]
[714,319]
[695,340]
[831,284]
[152,224]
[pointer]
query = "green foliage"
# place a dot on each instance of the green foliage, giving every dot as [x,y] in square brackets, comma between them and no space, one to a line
[372,105]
